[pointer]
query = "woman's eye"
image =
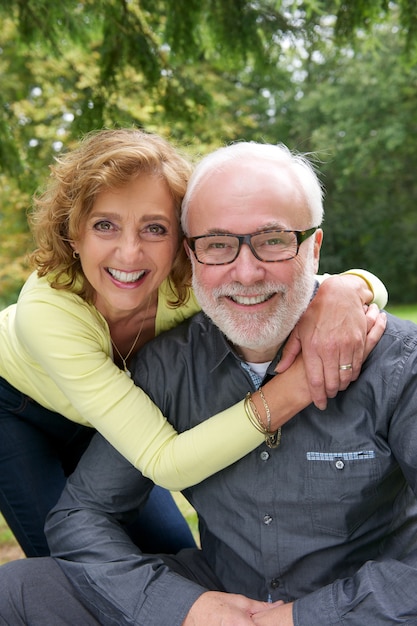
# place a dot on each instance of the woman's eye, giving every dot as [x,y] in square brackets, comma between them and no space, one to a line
[154,230]
[103,226]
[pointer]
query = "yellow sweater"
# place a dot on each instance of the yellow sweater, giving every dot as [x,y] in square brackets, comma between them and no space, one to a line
[56,349]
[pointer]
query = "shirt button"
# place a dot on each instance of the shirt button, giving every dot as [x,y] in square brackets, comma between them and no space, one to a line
[267,520]
[275,583]
[339,465]
[264,455]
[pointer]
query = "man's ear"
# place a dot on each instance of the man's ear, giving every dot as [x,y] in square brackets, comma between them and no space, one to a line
[187,249]
[318,240]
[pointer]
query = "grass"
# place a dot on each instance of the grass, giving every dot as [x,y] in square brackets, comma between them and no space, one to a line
[10,550]
[5,533]
[189,513]
[405,311]
[8,545]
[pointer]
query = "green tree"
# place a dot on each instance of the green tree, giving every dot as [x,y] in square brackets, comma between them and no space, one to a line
[66,71]
[361,122]
[199,72]
[157,47]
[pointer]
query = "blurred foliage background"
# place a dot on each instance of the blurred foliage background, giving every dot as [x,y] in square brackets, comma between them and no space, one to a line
[333,78]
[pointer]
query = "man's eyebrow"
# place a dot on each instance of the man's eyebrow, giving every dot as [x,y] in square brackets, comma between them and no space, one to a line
[218,231]
[264,227]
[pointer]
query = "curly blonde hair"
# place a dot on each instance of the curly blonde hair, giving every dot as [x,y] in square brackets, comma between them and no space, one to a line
[104,160]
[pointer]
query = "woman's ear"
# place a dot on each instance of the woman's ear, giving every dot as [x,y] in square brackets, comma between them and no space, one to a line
[75,253]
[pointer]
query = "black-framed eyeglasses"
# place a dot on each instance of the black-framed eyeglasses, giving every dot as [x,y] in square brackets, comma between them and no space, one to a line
[268,246]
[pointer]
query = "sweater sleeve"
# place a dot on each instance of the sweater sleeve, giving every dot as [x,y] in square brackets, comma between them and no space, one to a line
[374,283]
[66,339]
[69,348]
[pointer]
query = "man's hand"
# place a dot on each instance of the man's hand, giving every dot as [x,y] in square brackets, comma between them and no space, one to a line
[336,329]
[277,614]
[215,608]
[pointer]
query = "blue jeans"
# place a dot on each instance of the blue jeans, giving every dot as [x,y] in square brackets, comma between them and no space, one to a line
[38,450]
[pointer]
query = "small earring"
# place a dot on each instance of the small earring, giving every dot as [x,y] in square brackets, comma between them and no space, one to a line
[75,254]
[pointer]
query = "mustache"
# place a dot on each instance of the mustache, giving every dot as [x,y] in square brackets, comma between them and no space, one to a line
[258,289]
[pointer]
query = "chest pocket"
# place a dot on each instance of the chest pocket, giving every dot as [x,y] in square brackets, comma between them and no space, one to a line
[342,489]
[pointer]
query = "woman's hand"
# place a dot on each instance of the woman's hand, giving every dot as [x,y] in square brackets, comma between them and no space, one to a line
[336,330]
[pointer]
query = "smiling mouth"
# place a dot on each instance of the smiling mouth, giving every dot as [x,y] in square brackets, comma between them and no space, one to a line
[251,300]
[125,277]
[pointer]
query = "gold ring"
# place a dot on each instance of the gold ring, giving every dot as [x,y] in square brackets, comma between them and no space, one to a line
[346,367]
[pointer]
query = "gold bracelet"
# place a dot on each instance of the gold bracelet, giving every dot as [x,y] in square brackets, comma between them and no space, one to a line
[257,415]
[267,410]
[272,440]
[253,414]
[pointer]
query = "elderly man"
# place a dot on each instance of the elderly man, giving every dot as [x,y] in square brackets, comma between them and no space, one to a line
[318,525]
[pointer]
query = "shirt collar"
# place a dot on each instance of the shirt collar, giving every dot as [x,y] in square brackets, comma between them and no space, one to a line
[221,348]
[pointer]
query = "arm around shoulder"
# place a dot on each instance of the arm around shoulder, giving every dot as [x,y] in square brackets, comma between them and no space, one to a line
[376,286]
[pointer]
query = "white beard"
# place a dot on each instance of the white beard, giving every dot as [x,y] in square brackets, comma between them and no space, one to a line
[259,330]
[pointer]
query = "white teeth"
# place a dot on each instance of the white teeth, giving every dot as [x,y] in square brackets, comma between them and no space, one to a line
[248,300]
[125,277]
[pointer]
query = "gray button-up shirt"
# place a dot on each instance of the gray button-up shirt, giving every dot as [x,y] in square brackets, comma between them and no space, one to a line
[328,519]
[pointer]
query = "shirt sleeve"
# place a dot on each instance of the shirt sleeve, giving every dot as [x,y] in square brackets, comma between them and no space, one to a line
[117,582]
[381,593]
[66,339]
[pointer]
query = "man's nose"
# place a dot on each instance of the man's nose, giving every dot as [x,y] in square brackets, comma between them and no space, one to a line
[246,268]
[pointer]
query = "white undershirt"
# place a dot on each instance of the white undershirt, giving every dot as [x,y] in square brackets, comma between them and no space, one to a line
[259,368]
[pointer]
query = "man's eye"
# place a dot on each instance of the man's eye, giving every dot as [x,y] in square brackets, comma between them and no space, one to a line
[217,245]
[274,241]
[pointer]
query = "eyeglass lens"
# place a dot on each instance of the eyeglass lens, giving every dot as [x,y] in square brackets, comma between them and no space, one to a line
[274,245]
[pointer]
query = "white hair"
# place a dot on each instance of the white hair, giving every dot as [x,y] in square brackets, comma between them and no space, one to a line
[299,164]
